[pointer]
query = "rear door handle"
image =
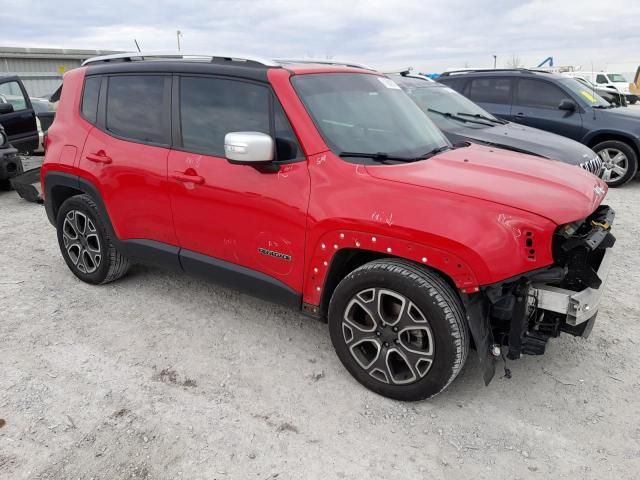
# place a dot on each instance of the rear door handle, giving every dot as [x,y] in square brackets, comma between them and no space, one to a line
[99,157]
[520,115]
[184,177]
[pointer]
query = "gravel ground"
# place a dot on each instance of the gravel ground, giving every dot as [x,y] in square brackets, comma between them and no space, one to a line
[160,376]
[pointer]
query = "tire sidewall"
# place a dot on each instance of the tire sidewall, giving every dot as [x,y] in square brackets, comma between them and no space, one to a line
[632,159]
[82,204]
[446,353]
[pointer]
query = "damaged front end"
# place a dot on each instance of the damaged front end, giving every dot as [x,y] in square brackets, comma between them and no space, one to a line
[522,313]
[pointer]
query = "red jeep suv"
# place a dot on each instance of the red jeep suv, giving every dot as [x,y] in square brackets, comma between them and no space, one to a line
[324,187]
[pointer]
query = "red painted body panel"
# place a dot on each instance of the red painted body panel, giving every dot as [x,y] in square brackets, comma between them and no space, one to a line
[134,186]
[476,214]
[554,190]
[66,136]
[239,209]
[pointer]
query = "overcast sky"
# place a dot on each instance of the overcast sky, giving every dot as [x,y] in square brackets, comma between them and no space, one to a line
[425,34]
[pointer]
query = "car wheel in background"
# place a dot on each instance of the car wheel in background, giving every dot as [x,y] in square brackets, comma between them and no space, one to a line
[399,329]
[86,244]
[619,162]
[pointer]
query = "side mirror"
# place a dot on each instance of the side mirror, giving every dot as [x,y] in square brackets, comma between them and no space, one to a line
[6,108]
[248,148]
[568,105]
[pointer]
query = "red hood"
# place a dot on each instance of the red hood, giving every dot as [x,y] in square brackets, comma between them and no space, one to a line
[562,193]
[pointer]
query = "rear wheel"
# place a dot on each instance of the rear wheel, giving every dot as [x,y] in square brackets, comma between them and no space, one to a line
[86,244]
[619,162]
[633,100]
[399,329]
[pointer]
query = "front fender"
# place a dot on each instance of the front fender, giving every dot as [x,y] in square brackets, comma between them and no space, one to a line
[332,242]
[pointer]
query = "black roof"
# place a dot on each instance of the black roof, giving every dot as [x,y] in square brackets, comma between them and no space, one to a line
[246,70]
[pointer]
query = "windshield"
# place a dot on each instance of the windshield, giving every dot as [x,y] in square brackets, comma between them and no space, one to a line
[434,100]
[616,77]
[586,94]
[367,113]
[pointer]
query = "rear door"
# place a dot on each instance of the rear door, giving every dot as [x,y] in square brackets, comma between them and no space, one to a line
[125,154]
[494,94]
[17,115]
[536,105]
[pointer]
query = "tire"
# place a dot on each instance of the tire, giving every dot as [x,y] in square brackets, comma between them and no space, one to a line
[614,172]
[424,342]
[5,185]
[86,244]
[633,100]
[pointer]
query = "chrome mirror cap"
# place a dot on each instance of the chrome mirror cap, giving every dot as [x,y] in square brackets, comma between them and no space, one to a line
[248,147]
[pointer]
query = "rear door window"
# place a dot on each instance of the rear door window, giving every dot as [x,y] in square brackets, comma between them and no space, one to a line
[137,108]
[538,93]
[490,90]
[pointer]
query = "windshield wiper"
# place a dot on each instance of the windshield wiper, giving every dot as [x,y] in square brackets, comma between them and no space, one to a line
[433,152]
[456,117]
[483,117]
[378,157]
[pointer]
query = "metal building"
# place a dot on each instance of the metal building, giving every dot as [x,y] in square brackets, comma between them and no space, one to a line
[41,69]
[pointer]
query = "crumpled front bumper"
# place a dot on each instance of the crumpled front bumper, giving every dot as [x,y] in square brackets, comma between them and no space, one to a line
[576,307]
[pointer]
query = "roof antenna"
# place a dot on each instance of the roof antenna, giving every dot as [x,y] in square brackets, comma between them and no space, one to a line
[137,46]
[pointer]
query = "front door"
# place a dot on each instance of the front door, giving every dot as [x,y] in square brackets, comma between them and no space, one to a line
[536,105]
[226,215]
[17,115]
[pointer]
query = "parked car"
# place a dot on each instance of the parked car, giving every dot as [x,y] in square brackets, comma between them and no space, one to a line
[634,87]
[17,115]
[615,82]
[327,189]
[560,105]
[462,120]
[611,96]
[10,162]
[45,114]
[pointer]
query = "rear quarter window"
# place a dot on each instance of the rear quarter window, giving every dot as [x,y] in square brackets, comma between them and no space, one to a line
[90,96]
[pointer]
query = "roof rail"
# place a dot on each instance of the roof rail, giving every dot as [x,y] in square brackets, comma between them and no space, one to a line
[311,61]
[206,57]
[462,71]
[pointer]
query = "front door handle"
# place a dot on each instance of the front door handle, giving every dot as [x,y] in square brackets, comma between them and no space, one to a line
[99,157]
[520,115]
[185,177]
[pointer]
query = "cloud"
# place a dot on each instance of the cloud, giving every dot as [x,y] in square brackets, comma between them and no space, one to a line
[428,35]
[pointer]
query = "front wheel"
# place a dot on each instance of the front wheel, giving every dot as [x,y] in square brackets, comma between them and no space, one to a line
[619,162]
[399,329]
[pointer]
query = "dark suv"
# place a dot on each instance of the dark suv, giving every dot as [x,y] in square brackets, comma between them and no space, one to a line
[461,120]
[560,105]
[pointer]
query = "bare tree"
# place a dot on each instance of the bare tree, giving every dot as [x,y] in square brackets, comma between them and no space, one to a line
[514,62]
